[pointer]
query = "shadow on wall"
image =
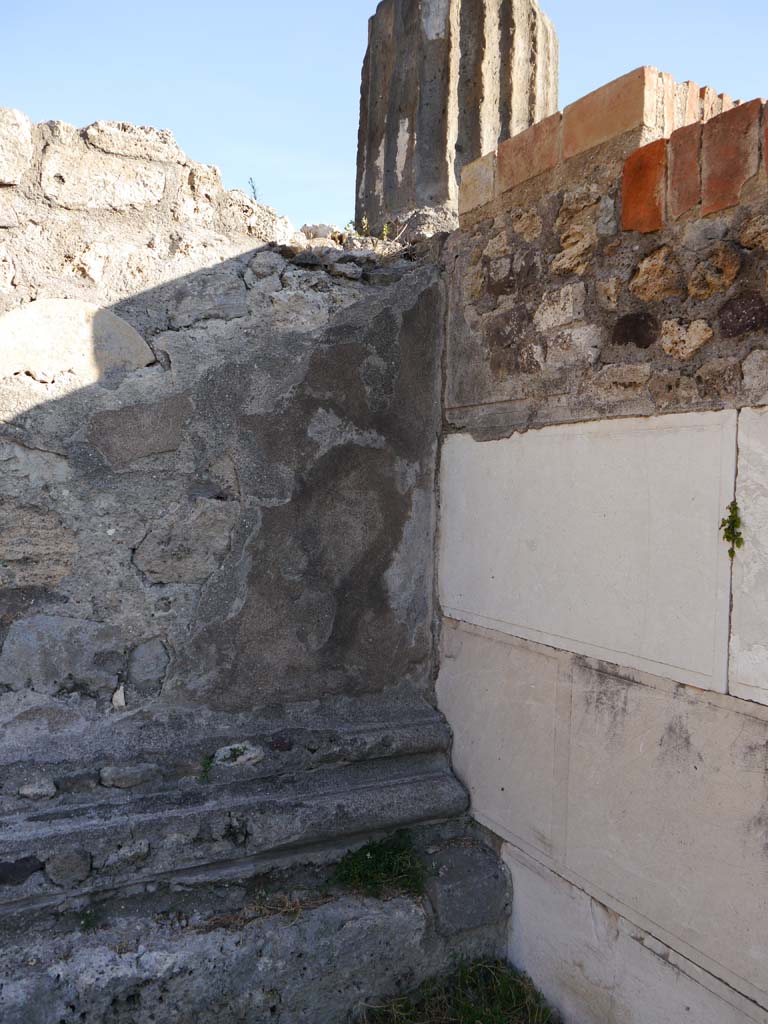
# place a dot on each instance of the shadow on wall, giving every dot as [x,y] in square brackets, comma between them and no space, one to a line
[220,491]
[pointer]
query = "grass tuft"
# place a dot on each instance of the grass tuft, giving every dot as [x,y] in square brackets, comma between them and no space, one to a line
[482,993]
[383,869]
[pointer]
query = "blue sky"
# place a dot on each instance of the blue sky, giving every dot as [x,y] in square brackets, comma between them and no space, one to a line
[270,90]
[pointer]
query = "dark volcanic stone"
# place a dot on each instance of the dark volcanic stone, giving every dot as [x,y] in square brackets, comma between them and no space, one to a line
[639,329]
[742,314]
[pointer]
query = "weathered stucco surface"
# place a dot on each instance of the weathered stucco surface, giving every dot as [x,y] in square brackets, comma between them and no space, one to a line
[217,512]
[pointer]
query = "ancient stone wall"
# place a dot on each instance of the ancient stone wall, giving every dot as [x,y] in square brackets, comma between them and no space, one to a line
[445,81]
[217,506]
[606,385]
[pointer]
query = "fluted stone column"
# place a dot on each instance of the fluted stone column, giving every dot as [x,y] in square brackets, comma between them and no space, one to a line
[445,81]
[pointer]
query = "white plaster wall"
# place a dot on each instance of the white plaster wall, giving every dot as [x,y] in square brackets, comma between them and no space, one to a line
[599,968]
[749,633]
[650,797]
[598,538]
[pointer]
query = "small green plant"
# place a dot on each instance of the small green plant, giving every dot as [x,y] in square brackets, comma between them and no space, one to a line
[480,993]
[385,233]
[253,190]
[365,227]
[235,753]
[383,869]
[88,921]
[206,767]
[731,527]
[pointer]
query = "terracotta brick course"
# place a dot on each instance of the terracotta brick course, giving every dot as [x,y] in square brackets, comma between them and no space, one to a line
[644,188]
[629,102]
[730,155]
[529,154]
[684,152]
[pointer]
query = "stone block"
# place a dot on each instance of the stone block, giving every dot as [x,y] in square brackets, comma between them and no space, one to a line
[79,178]
[36,548]
[52,337]
[628,103]
[135,432]
[594,966]
[658,276]
[190,547]
[500,698]
[214,295]
[147,666]
[644,186]
[15,146]
[54,655]
[730,155]
[518,546]
[682,340]
[749,633]
[69,867]
[467,888]
[128,776]
[477,184]
[529,154]
[684,151]
[139,143]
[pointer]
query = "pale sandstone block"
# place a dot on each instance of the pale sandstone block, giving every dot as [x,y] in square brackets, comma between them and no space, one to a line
[627,103]
[749,634]
[477,184]
[15,146]
[79,178]
[130,140]
[51,337]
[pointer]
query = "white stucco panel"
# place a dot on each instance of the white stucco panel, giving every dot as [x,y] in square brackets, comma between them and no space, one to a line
[598,538]
[749,634]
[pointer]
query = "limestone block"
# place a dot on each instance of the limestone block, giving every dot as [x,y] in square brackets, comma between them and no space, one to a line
[588,538]
[594,966]
[36,549]
[500,697]
[57,655]
[188,549]
[130,140]
[79,178]
[125,435]
[147,665]
[216,295]
[15,146]
[52,337]
[749,631]
[667,814]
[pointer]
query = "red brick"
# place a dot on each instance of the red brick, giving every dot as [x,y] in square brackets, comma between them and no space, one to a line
[684,188]
[629,102]
[730,155]
[644,188]
[529,154]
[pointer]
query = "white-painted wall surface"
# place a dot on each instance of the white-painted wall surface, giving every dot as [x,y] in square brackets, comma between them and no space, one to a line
[649,796]
[599,538]
[749,633]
